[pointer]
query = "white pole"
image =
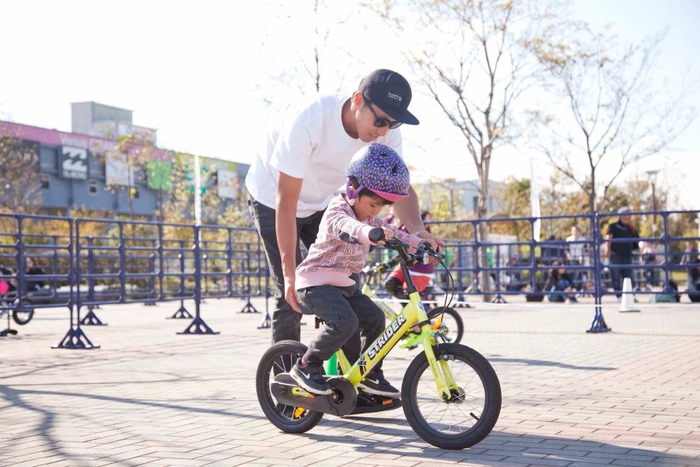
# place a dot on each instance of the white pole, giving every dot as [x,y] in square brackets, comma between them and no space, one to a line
[535,202]
[197,192]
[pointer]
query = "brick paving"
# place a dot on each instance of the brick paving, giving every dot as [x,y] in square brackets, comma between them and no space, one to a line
[154,398]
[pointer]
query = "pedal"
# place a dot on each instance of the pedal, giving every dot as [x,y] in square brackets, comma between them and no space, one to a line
[286,390]
[368,403]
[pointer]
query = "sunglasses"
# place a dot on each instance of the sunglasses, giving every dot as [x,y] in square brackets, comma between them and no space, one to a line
[380,122]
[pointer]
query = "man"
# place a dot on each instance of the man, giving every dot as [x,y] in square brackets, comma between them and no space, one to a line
[620,253]
[691,259]
[292,181]
[575,255]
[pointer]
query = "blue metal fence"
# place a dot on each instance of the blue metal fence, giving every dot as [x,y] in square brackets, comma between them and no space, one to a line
[91,262]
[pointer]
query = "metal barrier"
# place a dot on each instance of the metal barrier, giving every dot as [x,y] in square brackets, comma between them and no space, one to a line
[480,267]
[106,261]
[103,261]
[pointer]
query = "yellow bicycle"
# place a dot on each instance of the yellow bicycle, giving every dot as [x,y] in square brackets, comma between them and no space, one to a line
[450,393]
[443,318]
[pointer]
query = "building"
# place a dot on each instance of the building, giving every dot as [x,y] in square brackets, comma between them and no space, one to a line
[463,195]
[80,169]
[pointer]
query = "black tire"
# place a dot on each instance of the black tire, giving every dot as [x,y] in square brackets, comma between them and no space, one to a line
[22,316]
[452,321]
[279,359]
[480,399]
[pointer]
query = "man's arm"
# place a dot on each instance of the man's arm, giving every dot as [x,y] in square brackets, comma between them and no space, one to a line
[288,191]
[408,211]
[608,251]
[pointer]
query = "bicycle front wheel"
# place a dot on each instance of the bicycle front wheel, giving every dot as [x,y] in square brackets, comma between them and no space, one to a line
[469,416]
[279,359]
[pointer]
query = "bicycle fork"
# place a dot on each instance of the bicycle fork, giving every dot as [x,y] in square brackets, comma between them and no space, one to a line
[444,381]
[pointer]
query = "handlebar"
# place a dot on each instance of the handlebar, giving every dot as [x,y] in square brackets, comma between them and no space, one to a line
[422,255]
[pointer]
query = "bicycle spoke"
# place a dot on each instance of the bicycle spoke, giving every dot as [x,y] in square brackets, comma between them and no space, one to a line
[451,417]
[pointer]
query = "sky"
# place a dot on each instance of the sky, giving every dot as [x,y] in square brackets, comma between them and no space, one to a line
[208,76]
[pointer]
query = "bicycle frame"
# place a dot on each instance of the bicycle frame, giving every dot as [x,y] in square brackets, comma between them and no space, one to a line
[413,312]
[369,291]
[388,312]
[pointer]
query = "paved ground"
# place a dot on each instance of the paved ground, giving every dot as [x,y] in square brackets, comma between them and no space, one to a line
[151,397]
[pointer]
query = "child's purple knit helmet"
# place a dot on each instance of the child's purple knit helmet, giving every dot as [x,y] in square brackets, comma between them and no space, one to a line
[381,170]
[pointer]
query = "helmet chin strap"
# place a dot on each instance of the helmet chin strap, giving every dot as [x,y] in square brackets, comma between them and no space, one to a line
[352,195]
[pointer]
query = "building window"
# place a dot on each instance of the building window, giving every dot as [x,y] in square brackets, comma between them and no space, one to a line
[92,187]
[475,203]
[48,159]
[45,181]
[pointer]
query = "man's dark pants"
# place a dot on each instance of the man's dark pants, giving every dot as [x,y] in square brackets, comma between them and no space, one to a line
[618,275]
[285,321]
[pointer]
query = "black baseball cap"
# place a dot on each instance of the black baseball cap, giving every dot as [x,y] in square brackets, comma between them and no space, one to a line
[390,92]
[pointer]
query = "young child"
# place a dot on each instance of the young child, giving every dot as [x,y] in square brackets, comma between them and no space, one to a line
[377,176]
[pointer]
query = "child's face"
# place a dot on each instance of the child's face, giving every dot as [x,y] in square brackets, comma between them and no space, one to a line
[367,206]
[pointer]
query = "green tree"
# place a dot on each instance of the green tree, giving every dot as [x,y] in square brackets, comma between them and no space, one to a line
[443,200]
[127,161]
[20,187]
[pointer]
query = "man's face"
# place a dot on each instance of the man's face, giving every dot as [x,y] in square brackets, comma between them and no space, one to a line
[366,115]
[575,232]
[626,219]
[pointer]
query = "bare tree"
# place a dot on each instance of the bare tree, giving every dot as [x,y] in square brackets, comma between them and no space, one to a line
[314,24]
[610,111]
[472,57]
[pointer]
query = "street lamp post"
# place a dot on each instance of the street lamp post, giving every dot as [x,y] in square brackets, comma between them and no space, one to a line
[652,180]
[451,182]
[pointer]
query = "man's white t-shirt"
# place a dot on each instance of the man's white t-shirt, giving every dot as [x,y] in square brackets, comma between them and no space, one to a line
[309,143]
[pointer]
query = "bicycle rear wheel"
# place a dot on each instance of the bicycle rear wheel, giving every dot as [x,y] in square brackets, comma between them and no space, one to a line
[469,416]
[451,323]
[22,315]
[279,359]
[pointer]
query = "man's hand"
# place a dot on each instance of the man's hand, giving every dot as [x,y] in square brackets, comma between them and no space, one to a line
[388,233]
[435,243]
[290,294]
[288,190]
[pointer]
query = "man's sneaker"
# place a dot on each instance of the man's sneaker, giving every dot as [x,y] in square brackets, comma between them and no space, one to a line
[310,377]
[375,383]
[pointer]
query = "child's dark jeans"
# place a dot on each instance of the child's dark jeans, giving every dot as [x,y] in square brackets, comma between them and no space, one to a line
[343,309]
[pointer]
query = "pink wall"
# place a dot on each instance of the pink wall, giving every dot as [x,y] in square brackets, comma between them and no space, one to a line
[59,138]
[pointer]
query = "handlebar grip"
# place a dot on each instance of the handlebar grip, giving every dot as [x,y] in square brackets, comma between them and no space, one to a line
[376,234]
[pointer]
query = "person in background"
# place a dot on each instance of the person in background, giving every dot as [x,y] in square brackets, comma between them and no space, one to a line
[551,251]
[620,253]
[32,269]
[575,254]
[647,252]
[559,284]
[691,260]
[515,278]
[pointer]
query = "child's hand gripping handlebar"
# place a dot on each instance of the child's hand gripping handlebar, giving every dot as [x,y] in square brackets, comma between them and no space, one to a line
[422,254]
